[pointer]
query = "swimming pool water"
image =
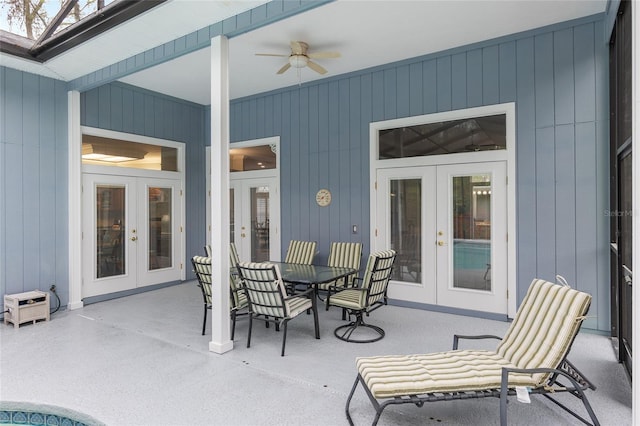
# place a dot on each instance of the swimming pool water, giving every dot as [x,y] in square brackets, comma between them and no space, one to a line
[471,254]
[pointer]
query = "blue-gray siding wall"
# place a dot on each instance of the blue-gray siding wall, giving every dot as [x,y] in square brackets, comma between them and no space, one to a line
[130,109]
[33,184]
[558,78]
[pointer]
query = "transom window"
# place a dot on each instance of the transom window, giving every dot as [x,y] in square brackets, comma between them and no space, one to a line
[444,137]
[104,151]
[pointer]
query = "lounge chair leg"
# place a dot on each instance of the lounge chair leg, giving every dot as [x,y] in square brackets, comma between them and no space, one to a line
[353,390]
[378,407]
[503,397]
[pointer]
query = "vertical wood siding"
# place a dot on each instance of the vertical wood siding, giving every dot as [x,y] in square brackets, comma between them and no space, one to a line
[33,184]
[129,109]
[556,77]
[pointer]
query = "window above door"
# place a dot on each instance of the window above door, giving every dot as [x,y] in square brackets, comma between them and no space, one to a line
[463,135]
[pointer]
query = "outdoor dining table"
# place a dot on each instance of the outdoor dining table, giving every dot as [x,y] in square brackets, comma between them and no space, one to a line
[311,275]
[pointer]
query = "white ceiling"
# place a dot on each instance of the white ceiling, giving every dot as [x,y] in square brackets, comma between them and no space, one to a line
[366,33]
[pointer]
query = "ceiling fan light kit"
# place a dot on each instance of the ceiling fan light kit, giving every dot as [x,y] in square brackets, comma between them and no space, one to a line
[298,61]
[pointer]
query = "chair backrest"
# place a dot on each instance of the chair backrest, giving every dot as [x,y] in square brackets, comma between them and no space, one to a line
[264,287]
[301,252]
[347,255]
[202,269]
[207,250]
[376,276]
[234,278]
[545,326]
[233,254]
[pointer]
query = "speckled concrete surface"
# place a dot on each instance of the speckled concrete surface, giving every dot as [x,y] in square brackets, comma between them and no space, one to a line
[141,360]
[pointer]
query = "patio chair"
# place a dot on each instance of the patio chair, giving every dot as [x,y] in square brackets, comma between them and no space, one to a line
[301,252]
[268,299]
[531,359]
[202,269]
[238,300]
[345,255]
[367,295]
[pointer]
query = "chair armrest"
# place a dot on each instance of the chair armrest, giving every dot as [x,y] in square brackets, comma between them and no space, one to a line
[310,291]
[456,337]
[356,280]
[335,289]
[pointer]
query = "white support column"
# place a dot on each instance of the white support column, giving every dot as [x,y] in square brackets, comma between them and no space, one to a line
[220,323]
[75,200]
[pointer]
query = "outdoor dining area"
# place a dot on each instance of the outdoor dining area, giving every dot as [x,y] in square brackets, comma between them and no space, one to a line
[531,357]
[277,292]
[146,355]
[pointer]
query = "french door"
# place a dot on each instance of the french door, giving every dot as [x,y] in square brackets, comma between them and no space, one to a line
[448,224]
[131,232]
[255,217]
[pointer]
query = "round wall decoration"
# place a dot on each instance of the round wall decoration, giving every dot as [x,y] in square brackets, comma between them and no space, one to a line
[323,197]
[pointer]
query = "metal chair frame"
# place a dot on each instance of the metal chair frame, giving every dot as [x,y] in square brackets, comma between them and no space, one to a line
[565,371]
[378,274]
[261,291]
[204,283]
[578,384]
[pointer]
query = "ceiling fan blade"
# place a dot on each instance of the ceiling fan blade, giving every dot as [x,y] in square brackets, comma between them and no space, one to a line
[324,55]
[284,68]
[299,47]
[317,68]
[272,54]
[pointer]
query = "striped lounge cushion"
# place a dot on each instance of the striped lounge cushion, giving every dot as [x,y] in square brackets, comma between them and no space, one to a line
[397,375]
[539,337]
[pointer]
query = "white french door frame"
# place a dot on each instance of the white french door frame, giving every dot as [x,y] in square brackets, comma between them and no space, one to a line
[490,300]
[176,180]
[271,176]
[242,232]
[508,155]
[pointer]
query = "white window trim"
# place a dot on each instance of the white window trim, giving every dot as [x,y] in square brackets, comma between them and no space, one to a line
[508,155]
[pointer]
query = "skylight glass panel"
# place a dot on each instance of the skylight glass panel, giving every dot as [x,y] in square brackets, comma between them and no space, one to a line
[32,18]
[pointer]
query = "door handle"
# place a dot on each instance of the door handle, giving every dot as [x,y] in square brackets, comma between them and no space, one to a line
[440,243]
[243,235]
[134,238]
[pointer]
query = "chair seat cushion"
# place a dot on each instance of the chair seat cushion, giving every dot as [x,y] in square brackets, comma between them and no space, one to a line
[297,305]
[348,298]
[451,371]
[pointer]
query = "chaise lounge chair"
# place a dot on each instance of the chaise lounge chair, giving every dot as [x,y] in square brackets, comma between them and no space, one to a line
[532,357]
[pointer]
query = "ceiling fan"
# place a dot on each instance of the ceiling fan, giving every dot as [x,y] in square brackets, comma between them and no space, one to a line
[300,58]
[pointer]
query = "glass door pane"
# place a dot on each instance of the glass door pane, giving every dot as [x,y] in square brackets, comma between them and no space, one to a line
[471,218]
[232,215]
[160,251]
[254,218]
[472,236]
[405,201]
[259,197]
[110,230]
